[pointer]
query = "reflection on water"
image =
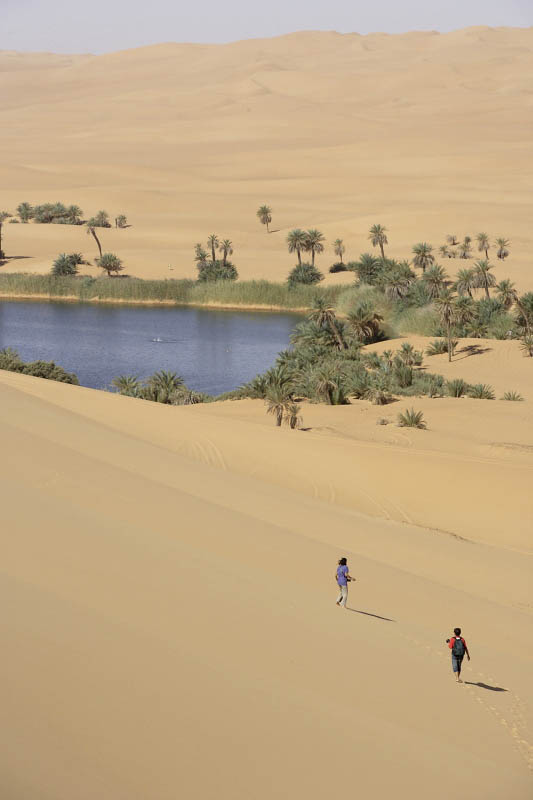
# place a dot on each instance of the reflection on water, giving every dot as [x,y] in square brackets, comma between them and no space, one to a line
[213,351]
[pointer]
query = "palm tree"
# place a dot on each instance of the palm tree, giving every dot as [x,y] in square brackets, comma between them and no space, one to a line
[465,248]
[398,281]
[214,243]
[424,257]
[363,322]
[503,244]
[101,220]
[296,241]
[3,216]
[339,249]
[265,216]
[292,416]
[465,282]
[323,314]
[378,237]
[126,384]
[327,383]
[25,212]
[507,293]
[162,385]
[65,264]
[445,305]
[74,214]
[483,244]
[121,221]
[452,239]
[465,311]
[200,255]
[314,243]
[279,401]
[91,231]
[367,268]
[434,280]
[444,250]
[484,278]
[110,263]
[227,250]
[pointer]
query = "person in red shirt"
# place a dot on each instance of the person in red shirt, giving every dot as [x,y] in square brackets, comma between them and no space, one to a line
[458,647]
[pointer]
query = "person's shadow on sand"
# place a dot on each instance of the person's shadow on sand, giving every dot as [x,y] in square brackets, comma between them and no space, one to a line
[486,686]
[368,614]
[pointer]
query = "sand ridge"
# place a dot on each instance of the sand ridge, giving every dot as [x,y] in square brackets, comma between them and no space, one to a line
[171,615]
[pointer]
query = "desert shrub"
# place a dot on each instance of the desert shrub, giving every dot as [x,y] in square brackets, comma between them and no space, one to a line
[526,345]
[457,387]
[67,264]
[211,271]
[338,267]
[109,262]
[403,375]
[423,321]
[305,274]
[481,391]
[49,370]
[437,347]
[411,419]
[382,421]
[512,396]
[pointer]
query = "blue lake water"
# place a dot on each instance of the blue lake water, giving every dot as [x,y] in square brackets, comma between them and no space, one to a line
[213,351]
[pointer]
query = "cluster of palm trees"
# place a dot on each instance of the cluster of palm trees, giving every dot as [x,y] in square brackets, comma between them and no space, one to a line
[311,241]
[453,248]
[161,387]
[213,269]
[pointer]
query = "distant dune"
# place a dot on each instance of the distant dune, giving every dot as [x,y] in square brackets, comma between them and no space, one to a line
[425,133]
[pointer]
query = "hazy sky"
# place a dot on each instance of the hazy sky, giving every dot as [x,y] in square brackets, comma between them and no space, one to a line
[103,25]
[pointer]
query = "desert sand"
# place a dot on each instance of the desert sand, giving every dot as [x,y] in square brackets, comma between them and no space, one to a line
[425,133]
[170,627]
[168,580]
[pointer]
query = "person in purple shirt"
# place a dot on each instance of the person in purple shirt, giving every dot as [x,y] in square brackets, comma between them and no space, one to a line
[342,576]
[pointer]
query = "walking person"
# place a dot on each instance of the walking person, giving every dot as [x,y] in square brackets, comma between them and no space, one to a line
[458,647]
[342,576]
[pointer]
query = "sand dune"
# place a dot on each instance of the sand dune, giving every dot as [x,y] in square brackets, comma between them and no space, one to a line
[426,133]
[171,628]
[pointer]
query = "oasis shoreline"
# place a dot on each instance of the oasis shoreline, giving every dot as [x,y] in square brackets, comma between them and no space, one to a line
[177,303]
[241,295]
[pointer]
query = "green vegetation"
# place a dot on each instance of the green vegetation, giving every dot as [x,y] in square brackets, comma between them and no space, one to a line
[412,419]
[3,216]
[457,387]
[110,263]
[481,391]
[121,221]
[296,241]
[378,237]
[513,397]
[161,387]
[25,212]
[10,360]
[264,214]
[67,264]
[216,270]
[306,274]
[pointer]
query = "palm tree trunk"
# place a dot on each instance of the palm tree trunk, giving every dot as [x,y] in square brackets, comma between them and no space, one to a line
[213,253]
[487,253]
[470,294]
[338,337]
[382,251]
[267,227]
[313,256]
[279,417]
[97,241]
[449,331]
[299,256]
[487,291]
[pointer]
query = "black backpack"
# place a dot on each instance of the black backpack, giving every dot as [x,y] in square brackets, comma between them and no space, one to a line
[458,648]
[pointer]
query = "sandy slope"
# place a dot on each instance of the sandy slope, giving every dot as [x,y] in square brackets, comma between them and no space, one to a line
[171,631]
[428,134]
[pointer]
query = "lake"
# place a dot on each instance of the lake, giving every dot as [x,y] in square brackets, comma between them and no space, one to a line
[213,351]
